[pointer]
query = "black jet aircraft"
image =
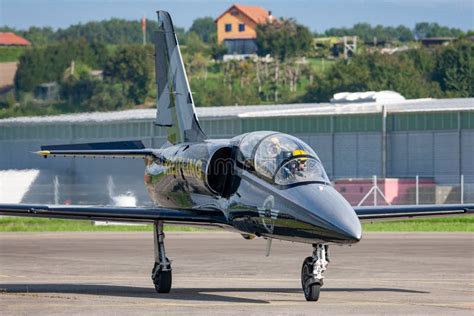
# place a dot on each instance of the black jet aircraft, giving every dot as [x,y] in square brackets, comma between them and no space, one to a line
[265,184]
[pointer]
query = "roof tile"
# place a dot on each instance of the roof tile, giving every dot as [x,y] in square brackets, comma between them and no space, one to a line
[257,14]
[9,38]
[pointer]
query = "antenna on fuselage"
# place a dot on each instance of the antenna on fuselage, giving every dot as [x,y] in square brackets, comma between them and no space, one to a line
[269,246]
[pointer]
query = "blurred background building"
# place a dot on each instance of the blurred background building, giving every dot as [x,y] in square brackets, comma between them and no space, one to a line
[237,28]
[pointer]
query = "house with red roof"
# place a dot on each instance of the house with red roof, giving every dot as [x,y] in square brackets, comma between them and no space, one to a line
[11,39]
[237,27]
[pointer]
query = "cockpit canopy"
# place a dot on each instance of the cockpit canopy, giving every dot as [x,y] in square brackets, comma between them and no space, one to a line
[281,158]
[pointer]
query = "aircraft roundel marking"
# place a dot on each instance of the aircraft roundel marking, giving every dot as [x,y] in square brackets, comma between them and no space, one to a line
[268,214]
[269,203]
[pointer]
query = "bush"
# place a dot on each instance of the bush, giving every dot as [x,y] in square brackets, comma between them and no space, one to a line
[10,54]
[455,70]
[8,100]
[132,67]
[283,39]
[45,64]
[373,72]
[108,97]
[94,95]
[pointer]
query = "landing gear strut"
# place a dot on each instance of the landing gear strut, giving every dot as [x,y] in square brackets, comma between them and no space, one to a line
[312,272]
[161,273]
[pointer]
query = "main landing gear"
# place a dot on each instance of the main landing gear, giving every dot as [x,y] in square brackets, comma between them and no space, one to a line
[161,273]
[312,271]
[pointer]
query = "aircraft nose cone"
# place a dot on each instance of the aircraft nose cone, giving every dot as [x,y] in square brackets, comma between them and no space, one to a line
[329,213]
[350,233]
[341,219]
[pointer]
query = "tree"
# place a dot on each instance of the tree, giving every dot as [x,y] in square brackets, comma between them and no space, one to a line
[91,94]
[425,29]
[205,28]
[421,30]
[373,72]
[197,66]
[367,33]
[194,44]
[404,34]
[423,59]
[132,67]
[217,50]
[78,90]
[113,31]
[180,34]
[43,64]
[8,100]
[39,36]
[109,97]
[283,38]
[455,70]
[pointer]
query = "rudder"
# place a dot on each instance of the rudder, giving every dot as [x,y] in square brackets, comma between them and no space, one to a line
[175,104]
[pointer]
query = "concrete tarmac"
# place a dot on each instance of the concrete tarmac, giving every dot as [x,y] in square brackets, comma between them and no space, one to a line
[221,273]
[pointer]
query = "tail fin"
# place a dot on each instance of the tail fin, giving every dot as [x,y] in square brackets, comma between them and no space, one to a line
[175,105]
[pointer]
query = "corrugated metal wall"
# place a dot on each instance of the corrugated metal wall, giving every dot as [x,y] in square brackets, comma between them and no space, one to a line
[439,145]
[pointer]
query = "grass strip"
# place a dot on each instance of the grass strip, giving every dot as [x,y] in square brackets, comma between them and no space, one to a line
[20,224]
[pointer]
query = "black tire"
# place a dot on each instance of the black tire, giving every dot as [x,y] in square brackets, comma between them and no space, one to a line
[311,291]
[162,279]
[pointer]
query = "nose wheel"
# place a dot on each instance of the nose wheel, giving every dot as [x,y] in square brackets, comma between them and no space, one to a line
[312,272]
[161,273]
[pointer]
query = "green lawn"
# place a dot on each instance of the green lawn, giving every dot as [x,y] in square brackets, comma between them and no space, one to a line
[10,54]
[445,224]
[24,224]
[320,65]
[18,224]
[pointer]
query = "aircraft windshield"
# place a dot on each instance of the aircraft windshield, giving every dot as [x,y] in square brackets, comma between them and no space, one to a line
[301,170]
[287,160]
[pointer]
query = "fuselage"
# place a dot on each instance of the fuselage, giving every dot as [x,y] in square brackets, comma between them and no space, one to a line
[259,193]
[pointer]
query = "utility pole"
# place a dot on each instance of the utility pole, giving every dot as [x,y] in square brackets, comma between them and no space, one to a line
[144,30]
[384,141]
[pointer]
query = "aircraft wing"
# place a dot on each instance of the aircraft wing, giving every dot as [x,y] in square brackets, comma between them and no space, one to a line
[120,214]
[371,213]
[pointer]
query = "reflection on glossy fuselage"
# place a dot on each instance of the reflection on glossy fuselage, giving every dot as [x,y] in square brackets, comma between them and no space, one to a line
[219,175]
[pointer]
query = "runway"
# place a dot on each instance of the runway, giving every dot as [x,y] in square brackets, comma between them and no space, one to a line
[221,273]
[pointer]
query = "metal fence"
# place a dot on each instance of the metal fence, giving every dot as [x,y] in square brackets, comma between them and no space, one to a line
[43,186]
[406,191]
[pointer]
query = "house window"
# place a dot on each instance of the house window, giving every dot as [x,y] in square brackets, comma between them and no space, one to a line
[228,27]
[241,27]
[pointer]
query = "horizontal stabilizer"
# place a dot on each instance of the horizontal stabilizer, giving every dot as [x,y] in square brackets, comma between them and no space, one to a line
[122,149]
[133,144]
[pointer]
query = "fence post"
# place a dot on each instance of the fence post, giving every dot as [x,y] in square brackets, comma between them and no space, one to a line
[417,190]
[375,191]
[462,189]
[56,190]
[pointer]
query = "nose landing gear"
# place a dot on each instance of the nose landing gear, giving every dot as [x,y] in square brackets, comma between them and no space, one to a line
[161,273]
[312,272]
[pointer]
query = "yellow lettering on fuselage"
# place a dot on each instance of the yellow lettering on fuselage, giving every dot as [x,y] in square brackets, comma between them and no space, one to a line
[186,166]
